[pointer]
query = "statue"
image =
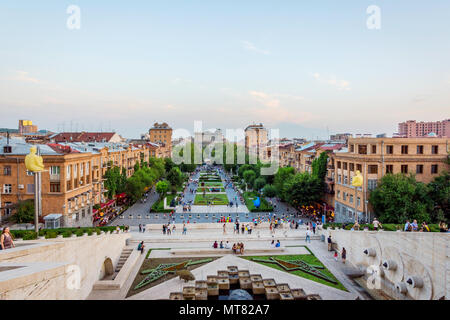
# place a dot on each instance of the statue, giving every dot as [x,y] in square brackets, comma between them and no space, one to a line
[33,162]
[257,202]
[357,180]
[185,275]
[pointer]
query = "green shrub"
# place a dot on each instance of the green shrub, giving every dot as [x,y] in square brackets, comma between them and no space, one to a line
[67,234]
[51,234]
[30,235]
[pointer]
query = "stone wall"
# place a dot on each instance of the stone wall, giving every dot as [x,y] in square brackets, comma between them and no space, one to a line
[411,265]
[82,257]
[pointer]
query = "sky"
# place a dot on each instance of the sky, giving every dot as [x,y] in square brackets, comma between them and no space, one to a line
[307,68]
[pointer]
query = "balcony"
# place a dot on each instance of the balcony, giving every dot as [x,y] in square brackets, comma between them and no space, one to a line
[55,177]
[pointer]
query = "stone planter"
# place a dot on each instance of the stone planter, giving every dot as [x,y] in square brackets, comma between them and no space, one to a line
[189,293]
[176,296]
[244,274]
[286,296]
[222,273]
[255,277]
[201,294]
[233,278]
[224,283]
[283,288]
[201,284]
[272,293]
[269,283]
[258,287]
[299,294]
[213,289]
[313,297]
[245,282]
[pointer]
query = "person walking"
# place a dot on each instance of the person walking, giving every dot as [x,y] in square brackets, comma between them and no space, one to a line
[344,255]
[329,243]
[141,247]
[184,229]
[224,228]
[140,227]
[376,224]
[6,239]
[308,235]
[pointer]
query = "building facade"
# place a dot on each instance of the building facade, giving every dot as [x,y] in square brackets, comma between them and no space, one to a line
[256,138]
[161,134]
[375,157]
[412,129]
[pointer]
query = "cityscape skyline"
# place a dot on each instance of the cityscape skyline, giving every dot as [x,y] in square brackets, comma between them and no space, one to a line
[183,62]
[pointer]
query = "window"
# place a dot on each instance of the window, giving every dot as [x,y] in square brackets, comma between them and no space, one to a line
[373,169]
[359,167]
[8,209]
[345,196]
[29,173]
[371,184]
[374,149]
[81,169]
[419,149]
[54,170]
[30,188]
[404,168]
[352,166]
[404,149]
[339,178]
[389,149]
[339,164]
[352,148]
[338,194]
[68,172]
[434,168]
[75,171]
[7,188]
[362,149]
[419,169]
[55,187]
[7,170]
[345,165]
[351,198]
[358,201]
[345,179]
[434,149]
[389,168]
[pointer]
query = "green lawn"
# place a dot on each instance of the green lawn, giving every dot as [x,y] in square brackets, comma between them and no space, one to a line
[217,199]
[250,196]
[309,259]
[158,206]
[200,189]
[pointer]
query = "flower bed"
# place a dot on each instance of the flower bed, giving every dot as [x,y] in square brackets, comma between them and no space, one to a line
[216,199]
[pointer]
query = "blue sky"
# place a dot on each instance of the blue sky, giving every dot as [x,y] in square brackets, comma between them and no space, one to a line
[305,67]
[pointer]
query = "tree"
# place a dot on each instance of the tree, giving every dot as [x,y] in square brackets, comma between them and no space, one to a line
[319,166]
[259,183]
[25,212]
[249,177]
[168,164]
[400,197]
[269,191]
[137,166]
[135,188]
[162,187]
[158,165]
[281,177]
[439,193]
[303,189]
[115,182]
[175,177]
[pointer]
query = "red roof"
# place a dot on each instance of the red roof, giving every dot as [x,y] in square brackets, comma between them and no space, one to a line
[62,149]
[337,146]
[84,136]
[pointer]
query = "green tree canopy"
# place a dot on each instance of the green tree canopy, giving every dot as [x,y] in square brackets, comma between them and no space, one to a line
[249,177]
[259,183]
[175,177]
[162,187]
[303,189]
[281,177]
[25,212]
[269,191]
[439,192]
[400,197]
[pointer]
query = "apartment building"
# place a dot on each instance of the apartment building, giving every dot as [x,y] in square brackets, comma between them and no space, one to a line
[375,157]
[412,129]
[256,138]
[73,178]
[161,134]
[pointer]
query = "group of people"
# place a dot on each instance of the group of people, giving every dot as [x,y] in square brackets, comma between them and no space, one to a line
[244,228]
[238,248]
[275,244]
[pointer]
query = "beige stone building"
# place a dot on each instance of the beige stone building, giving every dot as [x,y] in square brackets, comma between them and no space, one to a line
[256,137]
[161,134]
[374,157]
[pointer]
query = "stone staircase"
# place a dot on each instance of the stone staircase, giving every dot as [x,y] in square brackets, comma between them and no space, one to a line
[123,258]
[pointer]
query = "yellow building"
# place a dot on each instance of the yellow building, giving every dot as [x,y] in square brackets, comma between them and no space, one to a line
[375,157]
[161,134]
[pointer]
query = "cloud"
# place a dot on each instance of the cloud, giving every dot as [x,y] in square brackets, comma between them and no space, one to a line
[274,109]
[331,80]
[24,76]
[251,47]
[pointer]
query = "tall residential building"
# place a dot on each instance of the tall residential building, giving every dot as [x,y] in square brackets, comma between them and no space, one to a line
[256,138]
[26,126]
[161,134]
[412,129]
[340,136]
[374,157]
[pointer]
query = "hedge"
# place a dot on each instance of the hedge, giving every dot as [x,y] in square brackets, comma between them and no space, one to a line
[385,226]
[65,232]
